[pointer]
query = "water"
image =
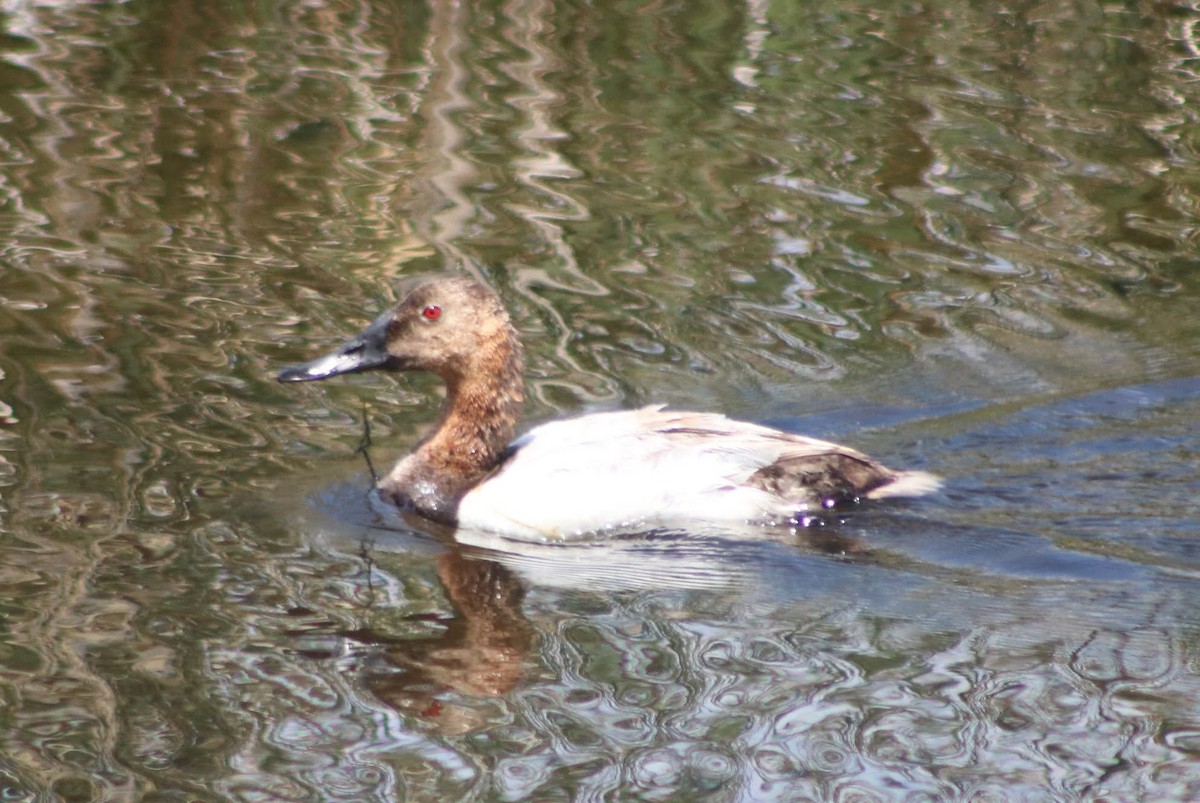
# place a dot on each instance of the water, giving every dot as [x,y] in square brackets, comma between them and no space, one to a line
[959,238]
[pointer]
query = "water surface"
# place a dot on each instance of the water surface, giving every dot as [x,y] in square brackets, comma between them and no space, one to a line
[959,237]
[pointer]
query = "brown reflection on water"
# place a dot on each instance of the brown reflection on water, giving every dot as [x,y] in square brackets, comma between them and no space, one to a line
[65,731]
[485,649]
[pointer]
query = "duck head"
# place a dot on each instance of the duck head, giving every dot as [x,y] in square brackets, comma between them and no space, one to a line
[445,326]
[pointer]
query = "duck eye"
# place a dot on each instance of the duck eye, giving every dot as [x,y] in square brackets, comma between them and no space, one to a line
[432,312]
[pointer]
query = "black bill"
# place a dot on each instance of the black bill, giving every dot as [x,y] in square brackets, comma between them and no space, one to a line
[363,352]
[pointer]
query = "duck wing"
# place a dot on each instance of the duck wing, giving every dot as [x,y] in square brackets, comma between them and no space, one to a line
[794,467]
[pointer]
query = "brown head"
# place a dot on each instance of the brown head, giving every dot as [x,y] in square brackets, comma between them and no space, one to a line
[454,327]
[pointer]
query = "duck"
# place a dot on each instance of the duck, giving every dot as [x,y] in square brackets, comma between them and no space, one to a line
[601,473]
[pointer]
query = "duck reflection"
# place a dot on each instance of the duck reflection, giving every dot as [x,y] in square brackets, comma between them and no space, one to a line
[720,560]
[487,646]
[483,650]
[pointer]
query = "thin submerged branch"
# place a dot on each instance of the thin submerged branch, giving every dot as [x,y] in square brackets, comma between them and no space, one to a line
[365,444]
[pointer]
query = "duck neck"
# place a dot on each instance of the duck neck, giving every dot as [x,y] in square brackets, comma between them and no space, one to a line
[478,421]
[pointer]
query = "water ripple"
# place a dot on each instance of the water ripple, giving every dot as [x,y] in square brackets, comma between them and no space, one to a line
[937,224]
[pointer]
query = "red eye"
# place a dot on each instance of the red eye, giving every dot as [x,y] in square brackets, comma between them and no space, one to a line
[432,312]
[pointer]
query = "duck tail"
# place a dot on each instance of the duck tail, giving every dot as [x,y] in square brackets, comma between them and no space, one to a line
[907,483]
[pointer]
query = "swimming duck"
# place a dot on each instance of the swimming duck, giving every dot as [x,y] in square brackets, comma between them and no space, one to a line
[598,473]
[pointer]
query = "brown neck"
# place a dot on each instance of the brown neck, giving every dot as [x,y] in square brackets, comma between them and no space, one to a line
[478,421]
[479,418]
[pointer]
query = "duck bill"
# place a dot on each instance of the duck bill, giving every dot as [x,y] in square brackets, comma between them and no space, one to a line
[365,351]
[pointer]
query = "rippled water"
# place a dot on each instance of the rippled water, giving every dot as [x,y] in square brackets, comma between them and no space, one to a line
[959,237]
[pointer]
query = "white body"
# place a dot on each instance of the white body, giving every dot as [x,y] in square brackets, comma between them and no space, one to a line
[640,469]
